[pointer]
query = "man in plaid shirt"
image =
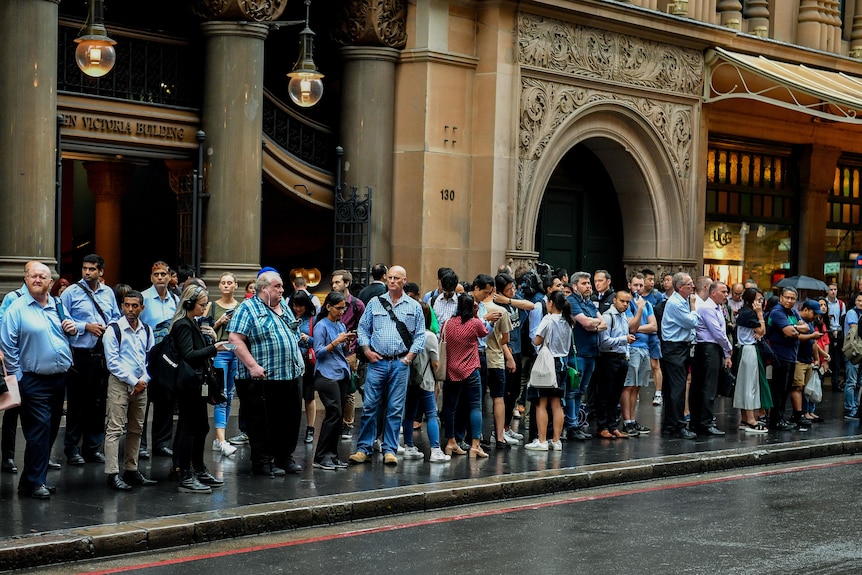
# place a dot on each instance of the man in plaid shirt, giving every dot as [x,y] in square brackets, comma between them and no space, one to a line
[266,335]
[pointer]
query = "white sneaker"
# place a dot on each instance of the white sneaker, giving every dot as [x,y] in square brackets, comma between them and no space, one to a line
[513,435]
[555,445]
[437,456]
[400,450]
[537,445]
[227,449]
[216,445]
[656,399]
[413,453]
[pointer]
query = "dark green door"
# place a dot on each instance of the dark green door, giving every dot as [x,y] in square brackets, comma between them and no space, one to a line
[580,227]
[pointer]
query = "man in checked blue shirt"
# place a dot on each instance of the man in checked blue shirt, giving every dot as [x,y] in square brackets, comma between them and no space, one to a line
[34,338]
[389,353]
[92,306]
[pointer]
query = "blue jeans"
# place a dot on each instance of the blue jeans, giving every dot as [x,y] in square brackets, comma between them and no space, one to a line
[424,400]
[851,380]
[382,376]
[467,393]
[41,409]
[586,367]
[225,360]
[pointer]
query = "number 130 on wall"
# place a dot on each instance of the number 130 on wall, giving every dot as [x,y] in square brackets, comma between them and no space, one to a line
[447,195]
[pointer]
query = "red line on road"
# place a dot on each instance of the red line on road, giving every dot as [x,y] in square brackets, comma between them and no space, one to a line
[477,514]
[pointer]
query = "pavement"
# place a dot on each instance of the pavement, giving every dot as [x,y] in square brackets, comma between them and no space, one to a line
[86,520]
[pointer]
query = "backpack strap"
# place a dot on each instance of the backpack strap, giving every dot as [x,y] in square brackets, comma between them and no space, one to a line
[405,334]
[119,334]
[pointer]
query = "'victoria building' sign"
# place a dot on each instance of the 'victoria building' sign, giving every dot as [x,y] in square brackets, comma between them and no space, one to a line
[127,125]
[123,126]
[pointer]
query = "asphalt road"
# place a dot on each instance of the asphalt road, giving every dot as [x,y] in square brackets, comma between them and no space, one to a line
[783,520]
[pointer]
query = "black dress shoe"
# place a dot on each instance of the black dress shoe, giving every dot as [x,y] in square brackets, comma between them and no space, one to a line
[53,465]
[164,452]
[8,466]
[267,468]
[292,467]
[97,457]
[143,454]
[137,478]
[684,434]
[711,431]
[114,482]
[502,445]
[75,459]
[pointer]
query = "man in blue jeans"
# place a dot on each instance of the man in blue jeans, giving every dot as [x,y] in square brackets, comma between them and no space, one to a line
[851,371]
[391,333]
[588,324]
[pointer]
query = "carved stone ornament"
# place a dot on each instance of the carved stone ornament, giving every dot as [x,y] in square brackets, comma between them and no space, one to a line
[597,54]
[372,23]
[251,10]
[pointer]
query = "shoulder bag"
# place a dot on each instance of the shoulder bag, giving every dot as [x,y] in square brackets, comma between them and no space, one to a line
[440,372]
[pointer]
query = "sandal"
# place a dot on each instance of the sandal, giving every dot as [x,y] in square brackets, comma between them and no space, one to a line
[755,428]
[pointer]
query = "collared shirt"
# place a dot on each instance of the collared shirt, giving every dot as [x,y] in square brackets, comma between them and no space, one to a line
[156,309]
[81,310]
[9,298]
[331,364]
[445,308]
[678,322]
[711,327]
[615,339]
[273,340]
[734,305]
[33,340]
[587,341]
[127,359]
[377,329]
[785,348]
[835,308]
[851,319]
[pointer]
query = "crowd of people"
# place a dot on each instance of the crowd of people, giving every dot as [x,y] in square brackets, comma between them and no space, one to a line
[572,352]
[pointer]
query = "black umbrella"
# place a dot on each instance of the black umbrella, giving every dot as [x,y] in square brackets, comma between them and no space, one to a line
[803,283]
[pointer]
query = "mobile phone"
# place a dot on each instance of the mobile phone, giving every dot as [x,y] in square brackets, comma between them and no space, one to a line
[230,346]
[229,312]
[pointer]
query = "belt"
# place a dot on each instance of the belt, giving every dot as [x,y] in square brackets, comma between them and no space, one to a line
[390,357]
[613,354]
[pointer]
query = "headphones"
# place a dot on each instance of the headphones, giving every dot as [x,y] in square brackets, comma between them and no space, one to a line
[190,303]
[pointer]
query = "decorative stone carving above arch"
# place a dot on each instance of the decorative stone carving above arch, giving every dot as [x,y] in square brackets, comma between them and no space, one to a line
[251,10]
[371,23]
[635,103]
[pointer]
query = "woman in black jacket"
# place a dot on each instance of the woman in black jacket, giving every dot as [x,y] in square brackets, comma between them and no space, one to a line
[192,425]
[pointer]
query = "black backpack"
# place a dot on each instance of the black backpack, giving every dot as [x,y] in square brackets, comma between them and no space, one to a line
[527,349]
[163,364]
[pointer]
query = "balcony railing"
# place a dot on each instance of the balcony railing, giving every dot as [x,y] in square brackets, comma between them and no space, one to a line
[309,141]
[153,70]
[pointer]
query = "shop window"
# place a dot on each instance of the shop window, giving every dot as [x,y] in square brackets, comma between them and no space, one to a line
[750,207]
[844,217]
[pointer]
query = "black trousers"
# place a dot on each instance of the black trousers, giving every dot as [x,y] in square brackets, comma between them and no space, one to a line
[331,394]
[608,379]
[674,369]
[192,429]
[163,403]
[782,380]
[41,410]
[707,365]
[86,394]
[273,409]
[10,431]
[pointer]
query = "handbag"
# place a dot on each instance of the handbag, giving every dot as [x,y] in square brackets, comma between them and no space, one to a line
[12,397]
[544,372]
[572,375]
[813,390]
[312,359]
[726,382]
[440,372]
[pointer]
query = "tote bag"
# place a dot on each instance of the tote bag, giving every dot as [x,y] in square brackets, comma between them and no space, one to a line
[12,398]
[544,373]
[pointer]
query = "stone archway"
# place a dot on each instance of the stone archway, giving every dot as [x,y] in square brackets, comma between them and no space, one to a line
[656,208]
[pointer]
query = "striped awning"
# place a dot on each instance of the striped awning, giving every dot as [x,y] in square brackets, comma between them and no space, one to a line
[833,96]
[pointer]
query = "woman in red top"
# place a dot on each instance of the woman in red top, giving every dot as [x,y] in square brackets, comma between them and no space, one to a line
[462,384]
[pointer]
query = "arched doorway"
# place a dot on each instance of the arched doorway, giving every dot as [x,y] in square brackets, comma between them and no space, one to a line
[580,226]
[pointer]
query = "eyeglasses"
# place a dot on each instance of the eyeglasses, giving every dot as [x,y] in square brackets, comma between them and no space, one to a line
[340,307]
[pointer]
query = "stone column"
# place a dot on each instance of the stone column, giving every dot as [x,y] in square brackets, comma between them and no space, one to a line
[28,112]
[372,47]
[757,14]
[731,13]
[816,178]
[856,34]
[810,23]
[108,182]
[233,120]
